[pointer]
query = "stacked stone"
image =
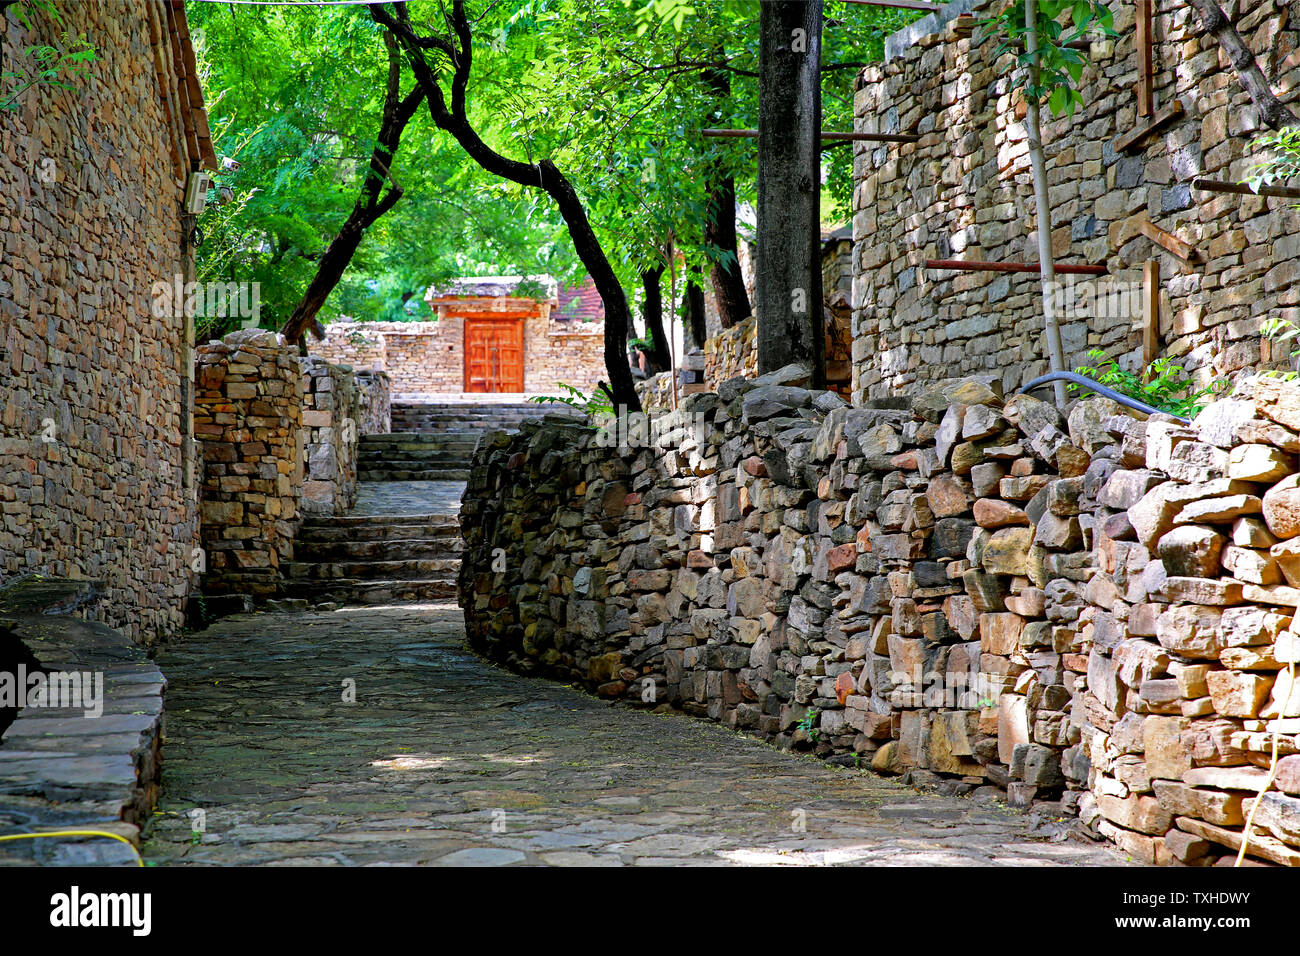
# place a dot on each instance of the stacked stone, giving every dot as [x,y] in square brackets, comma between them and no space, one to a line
[331,400]
[362,345]
[1191,649]
[540,576]
[1088,612]
[732,353]
[375,395]
[963,191]
[94,383]
[248,409]
[656,391]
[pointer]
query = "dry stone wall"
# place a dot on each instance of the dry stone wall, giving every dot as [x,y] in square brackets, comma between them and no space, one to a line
[95,462]
[330,416]
[963,192]
[970,590]
[375,397]
[279,436]
[248,418]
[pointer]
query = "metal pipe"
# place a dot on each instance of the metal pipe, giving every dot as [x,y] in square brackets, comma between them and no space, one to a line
[1100,389]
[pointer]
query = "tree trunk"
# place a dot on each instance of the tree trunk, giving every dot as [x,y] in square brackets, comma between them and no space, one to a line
[451,117]
[1046,264]
[693,318]
[652,312]
[371,203]
[791,323]
[1216,23]
[727,279]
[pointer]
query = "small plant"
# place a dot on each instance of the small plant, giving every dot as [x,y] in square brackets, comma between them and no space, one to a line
[1060,66]
[646,343]
[597,403]
[1168,387]
[1281,329]
[1282,165]
[808,724]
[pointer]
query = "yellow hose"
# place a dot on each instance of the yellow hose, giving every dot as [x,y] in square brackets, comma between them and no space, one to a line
[76,833]
[1272,769]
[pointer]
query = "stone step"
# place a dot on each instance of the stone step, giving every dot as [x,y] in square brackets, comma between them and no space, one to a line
[409,569]
[442,519]
[438,418]
[434,530]
[413,454]
[412,474]
[443,548]
[373,591]
[419,439]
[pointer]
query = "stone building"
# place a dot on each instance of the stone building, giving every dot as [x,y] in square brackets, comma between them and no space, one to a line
[497,334]
[1116,167]
[97,476]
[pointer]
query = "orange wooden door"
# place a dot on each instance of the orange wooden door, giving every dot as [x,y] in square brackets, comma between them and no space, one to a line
[494,355]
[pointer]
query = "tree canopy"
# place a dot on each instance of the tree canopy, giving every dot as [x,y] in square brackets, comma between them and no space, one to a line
[614,93]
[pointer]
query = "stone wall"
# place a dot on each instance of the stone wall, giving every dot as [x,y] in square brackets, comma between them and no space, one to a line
[331,420]
[95,459]
[963,192]
[424,358]
[375,396]
[731,353]
[248,418]
[966,590]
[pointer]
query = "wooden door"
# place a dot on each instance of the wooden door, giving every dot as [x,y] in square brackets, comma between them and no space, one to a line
[494,355]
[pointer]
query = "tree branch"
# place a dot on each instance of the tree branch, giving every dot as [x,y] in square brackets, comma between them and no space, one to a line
[540,175]
[1217,24]
[372,202]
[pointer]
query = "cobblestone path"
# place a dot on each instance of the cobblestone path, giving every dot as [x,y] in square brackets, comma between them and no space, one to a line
[444,759]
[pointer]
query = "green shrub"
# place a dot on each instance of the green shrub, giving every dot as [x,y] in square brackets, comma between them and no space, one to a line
[1169,387]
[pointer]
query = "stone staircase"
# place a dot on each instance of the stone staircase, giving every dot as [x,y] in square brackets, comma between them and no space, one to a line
[407,456]
[434,441]
[402,542]
[375,559]
[438,418]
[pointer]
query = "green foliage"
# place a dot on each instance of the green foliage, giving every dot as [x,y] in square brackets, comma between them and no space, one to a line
[57,67]
[296,97]
[645,343]
[1169,387]
[808,724]
[596,404]
[1283,164]
[614,93]
[1281,329]
[1060,68]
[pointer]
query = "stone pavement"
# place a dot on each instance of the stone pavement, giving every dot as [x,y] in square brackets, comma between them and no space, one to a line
[444,759]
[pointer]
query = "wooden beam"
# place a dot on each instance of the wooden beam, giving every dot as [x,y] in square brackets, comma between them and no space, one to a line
[826,135]
[1276,192]
[900,4]
[1168,241]
[975,265]
[1162,118]
[1146,103]
[1150,313]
